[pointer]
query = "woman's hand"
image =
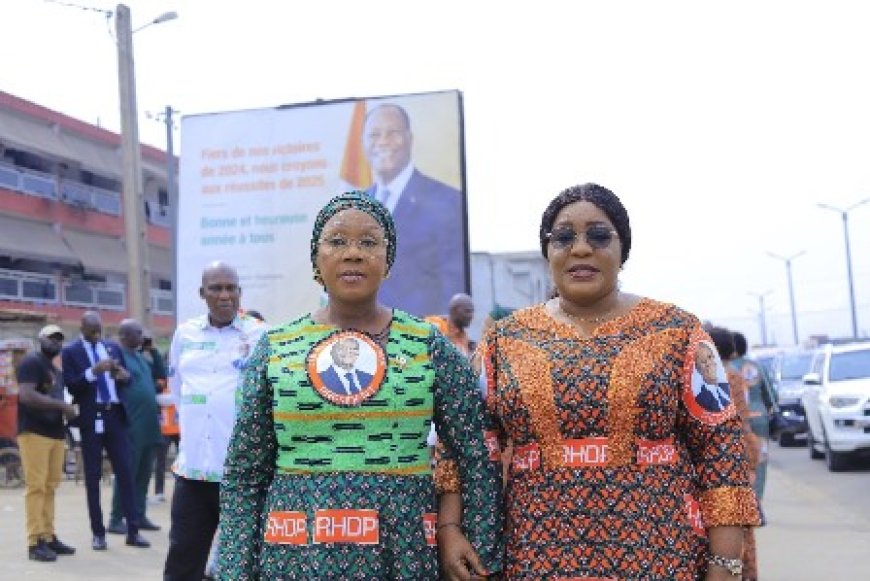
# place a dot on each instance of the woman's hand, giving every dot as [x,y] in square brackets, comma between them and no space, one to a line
[459,562]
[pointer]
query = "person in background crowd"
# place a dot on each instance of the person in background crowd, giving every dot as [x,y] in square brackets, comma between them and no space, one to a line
[41,412]
[724,340]
[617,472]
[206,360]
[94,374]
[168,414]
[304,460]
[762,403]
[428,215]
[144,427]
[460,313]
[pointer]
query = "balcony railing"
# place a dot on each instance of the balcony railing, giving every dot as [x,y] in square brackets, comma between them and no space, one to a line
[44,185]
[90,197]
[79,293]
[161,302]
[17,285]
[24,286]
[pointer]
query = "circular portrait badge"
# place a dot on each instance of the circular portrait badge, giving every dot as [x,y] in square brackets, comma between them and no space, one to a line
[346,368]
[707,394]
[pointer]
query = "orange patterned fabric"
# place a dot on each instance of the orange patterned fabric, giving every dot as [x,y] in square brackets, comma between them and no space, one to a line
[621,518]
[446,476]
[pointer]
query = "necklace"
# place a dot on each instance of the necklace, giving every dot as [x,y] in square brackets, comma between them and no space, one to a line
[383,335]
[596,320]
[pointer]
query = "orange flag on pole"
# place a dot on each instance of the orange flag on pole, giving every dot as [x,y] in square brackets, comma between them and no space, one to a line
[355,169]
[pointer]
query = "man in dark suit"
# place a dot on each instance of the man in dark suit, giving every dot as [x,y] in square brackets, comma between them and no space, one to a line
[93,372]
[342,377]
[429,217]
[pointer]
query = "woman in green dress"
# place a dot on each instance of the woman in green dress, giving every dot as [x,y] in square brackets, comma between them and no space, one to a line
[328,473]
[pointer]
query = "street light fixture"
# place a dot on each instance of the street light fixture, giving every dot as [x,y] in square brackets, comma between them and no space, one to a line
[787,260]
[165,17]
[135,228]
[845,216]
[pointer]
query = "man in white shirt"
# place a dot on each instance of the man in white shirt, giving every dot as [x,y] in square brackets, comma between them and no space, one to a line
[206,362]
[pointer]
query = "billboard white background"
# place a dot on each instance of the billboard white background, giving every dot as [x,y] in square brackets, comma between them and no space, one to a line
[251,183]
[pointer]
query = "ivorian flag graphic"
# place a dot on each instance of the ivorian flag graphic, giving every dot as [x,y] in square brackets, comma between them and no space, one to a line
[354,167]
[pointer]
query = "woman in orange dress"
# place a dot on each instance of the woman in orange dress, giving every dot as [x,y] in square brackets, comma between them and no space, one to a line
[627,462]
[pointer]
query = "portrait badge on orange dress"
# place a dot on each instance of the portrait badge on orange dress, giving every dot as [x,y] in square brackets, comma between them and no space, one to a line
[706,392]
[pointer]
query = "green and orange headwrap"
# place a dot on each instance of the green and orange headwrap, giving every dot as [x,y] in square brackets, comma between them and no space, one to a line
[356,200]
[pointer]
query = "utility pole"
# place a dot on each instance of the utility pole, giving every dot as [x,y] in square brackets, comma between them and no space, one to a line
[172,195]
[135,232]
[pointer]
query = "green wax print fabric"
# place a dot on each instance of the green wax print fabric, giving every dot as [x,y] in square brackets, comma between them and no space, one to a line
[384,433]
[294,451]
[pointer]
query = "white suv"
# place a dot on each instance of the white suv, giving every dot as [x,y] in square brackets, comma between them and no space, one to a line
[837,403]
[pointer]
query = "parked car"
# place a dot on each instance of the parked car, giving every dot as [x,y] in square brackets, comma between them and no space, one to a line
[789,370]
[837,403]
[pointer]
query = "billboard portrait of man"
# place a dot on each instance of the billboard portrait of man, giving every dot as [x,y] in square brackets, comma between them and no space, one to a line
[429,217]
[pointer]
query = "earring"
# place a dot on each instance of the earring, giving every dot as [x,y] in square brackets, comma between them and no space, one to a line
[317,278]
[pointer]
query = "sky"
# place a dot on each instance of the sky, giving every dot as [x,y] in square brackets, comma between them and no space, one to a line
[721,126]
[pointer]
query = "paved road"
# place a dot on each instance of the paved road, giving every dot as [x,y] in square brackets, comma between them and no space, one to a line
[819,522]
[119,563]
[819,529]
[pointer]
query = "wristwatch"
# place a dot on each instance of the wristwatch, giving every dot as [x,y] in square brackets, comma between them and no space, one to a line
[733,566]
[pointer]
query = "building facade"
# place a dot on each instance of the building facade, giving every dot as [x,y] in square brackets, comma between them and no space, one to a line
[62,228]
[507,279]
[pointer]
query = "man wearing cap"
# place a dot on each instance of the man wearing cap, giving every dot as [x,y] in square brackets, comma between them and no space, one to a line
[41,411]
[94,372]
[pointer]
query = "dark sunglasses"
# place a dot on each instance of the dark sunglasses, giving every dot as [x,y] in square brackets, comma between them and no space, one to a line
[597,237]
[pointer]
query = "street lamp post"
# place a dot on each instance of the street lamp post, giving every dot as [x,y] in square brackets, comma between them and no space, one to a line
[762,314]
[135,228]
[788,260]
[845,215]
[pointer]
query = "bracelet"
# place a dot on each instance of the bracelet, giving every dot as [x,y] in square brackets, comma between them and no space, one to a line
[733,566]
[447,524]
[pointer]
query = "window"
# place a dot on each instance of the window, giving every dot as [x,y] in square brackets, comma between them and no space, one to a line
[850,365]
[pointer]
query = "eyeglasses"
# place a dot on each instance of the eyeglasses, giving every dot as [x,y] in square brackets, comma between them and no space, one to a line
[340,244]
[597,237]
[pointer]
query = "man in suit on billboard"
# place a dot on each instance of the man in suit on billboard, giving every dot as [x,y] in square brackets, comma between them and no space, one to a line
[342,377]
[430,256]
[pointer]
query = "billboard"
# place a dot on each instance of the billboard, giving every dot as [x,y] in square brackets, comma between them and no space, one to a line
[251,183]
